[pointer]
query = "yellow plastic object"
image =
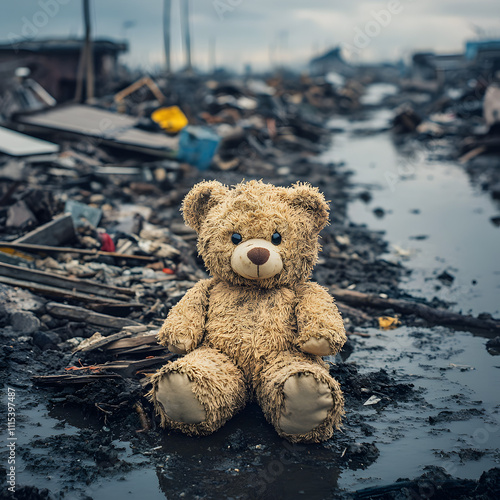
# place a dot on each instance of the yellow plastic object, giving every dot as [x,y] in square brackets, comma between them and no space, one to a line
[170,119]
[388,323]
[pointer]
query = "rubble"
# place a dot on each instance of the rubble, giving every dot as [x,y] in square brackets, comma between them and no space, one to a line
[94,252]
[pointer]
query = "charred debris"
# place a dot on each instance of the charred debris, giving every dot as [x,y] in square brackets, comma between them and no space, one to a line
[94,253]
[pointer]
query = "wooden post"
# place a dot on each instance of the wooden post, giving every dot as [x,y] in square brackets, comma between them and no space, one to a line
[89,50]
[167,10]
[187,34]
[86,64]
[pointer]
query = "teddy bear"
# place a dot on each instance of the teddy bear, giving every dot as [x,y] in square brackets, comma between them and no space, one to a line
[258,327]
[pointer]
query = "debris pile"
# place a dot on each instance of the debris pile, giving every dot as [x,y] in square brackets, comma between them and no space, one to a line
[98,236]
[459,121]
[94,252]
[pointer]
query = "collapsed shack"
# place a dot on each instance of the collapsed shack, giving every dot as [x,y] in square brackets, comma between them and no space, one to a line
[94,253]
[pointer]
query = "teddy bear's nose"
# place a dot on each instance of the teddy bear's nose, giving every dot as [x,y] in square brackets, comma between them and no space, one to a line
[258,256]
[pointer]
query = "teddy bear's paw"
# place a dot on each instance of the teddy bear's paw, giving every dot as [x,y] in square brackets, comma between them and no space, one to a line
[175,395]
[306,404]
[318,347]
[181,346]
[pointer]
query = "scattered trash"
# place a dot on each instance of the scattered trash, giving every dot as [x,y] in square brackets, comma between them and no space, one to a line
[446,278]
[372,400]
[110,128]
[83,214]
[388,322]
[406,119]
[170,119]
[94,253]
[17,144]
[197,146]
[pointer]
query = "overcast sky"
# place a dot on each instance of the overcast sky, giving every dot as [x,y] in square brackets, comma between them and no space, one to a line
[260,32]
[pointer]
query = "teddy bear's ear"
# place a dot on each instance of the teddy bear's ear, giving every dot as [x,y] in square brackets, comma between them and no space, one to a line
[309,198]
[200,200]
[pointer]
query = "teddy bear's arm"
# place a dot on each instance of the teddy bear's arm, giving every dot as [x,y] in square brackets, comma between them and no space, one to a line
[184,327]
[320,329]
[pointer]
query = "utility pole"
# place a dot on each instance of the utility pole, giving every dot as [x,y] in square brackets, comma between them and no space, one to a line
[167,11]
[187,34]
[86,64]
[90,51]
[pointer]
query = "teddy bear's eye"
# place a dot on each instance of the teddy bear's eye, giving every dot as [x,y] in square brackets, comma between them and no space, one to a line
[276,238]
[236,238]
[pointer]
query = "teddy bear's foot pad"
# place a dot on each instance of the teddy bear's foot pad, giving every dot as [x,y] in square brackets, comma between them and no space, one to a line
[306,404]
[176,396]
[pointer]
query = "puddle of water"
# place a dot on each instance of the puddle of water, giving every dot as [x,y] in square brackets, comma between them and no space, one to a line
[431,214]
[141,483]
[434,221]
[458,376]
[377,92]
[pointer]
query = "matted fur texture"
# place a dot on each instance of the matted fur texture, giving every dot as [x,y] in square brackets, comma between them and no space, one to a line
[244,336]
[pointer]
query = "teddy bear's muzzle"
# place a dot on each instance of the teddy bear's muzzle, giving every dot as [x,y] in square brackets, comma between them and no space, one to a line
[256,259]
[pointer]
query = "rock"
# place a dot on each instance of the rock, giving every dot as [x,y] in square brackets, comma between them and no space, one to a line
[19,215]
[360,455]
[106,456]
[489,483]
[495,191]
[495,221]
[406,119]
[493,346]
[365,196]
[16,299]
[24,322]
[446,278]
[46,340]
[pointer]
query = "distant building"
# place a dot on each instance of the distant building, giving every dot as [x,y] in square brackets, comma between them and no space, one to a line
[484,54]
[442,67]
[330,61]
[54,63]
[481,57]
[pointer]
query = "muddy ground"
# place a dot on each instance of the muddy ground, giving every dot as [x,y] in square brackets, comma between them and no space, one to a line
[422,411]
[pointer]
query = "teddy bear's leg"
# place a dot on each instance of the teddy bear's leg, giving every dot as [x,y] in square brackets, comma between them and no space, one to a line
[198,393]
[300,398]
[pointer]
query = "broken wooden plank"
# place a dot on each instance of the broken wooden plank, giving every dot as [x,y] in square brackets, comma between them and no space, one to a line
[84,315]
[81,251]
[15,257]
[144,81]
[64,293]
[17,144]
[119,130]
[98,341]
[74,284]
[472,154]
[128,343]
[353,313]
[142,350]
[71,379]
[129,369]
[431,314]
[56,232]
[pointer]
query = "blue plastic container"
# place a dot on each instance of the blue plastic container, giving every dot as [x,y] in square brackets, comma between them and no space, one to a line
[197,146]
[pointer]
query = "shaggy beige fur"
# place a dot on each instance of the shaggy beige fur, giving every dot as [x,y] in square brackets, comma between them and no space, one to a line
[247,337]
